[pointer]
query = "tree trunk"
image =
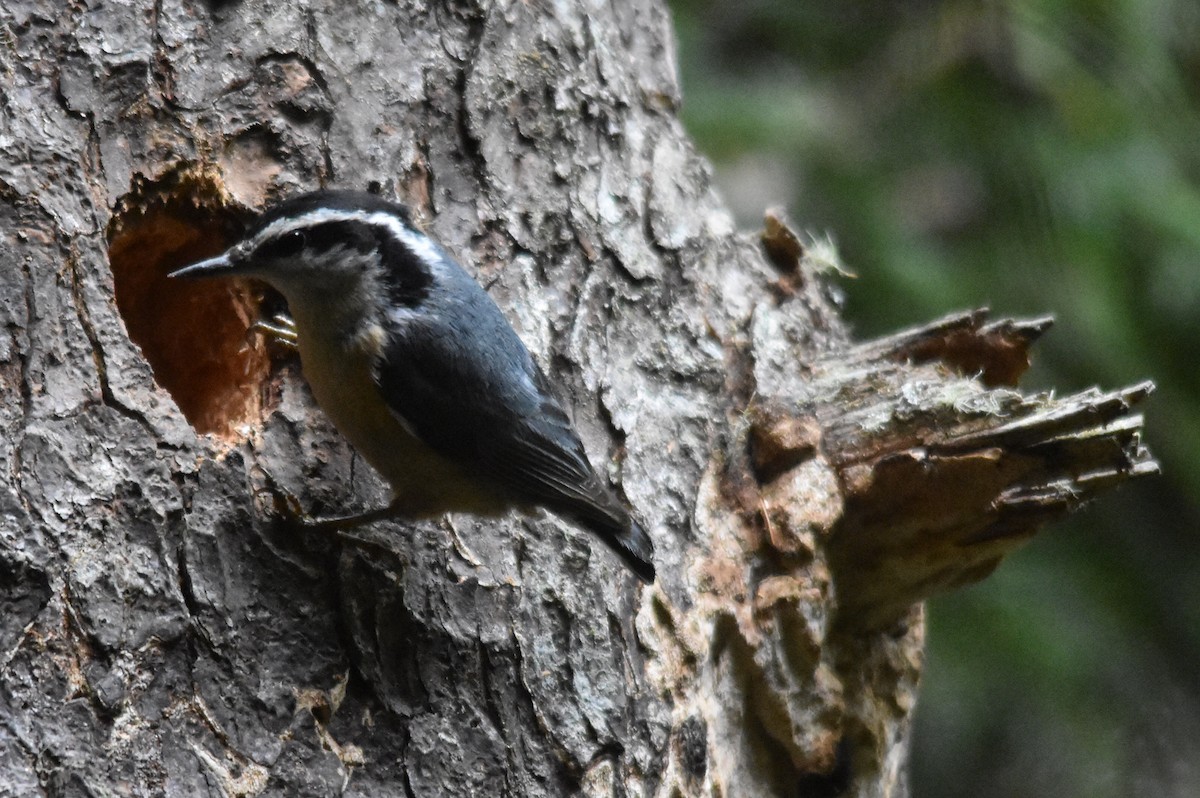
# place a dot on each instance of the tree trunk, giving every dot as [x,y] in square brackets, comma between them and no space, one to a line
[161,634]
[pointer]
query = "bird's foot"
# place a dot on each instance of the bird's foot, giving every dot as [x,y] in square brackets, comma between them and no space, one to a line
[279,330]
[289,512]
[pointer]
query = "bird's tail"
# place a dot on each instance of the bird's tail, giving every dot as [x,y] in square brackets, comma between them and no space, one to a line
[624,535]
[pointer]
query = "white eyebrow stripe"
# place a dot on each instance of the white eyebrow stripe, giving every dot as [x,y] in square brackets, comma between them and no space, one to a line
[417,243]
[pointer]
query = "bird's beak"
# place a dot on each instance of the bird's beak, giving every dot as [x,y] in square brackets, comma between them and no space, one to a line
[220,266]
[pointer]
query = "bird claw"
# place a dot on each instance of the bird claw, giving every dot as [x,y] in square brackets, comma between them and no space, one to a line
[290,514]
[279,330]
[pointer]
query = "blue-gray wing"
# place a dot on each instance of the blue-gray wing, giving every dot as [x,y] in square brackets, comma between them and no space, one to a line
[477,398]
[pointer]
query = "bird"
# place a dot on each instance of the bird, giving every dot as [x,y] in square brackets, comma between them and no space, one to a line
[418,368]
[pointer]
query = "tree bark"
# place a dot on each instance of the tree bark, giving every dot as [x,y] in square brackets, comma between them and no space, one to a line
[162,635]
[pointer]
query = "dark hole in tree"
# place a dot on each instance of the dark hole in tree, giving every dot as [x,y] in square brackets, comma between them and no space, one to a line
[192,332]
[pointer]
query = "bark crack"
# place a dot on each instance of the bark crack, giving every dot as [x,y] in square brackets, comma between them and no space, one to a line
[569,766]
[187,591]
[492,709]
[23,353]
[162,71]
[310,31]
[472,145]
[98,358]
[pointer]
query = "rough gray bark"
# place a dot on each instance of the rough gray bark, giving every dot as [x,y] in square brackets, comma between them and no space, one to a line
[160,635]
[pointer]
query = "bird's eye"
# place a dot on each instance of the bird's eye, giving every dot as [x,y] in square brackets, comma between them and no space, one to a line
[291,243]
[286,246]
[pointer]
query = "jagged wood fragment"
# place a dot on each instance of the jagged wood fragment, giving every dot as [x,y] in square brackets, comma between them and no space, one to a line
[943,475]
[967,342]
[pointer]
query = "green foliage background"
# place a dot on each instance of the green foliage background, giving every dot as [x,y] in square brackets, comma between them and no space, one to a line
[1032,156]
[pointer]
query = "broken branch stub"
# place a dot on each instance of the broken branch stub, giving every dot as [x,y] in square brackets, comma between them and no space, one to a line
[978,473]
[943,469]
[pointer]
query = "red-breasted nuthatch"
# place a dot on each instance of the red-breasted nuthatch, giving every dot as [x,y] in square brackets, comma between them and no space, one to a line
[418,368]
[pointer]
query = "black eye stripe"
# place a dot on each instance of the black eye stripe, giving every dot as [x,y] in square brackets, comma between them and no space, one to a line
[287,245]
[409,279]
[352,235]
[319,238]
[406,276]
[292,242]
